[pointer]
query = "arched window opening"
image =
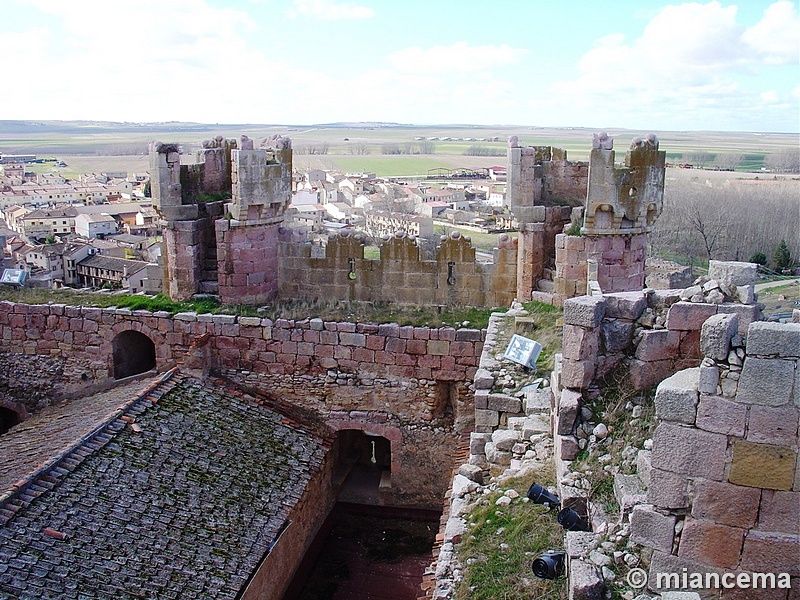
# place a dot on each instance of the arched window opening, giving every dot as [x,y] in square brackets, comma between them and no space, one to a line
[133,353]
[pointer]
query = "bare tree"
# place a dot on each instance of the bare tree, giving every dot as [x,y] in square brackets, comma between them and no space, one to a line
[359,148]
[728,162]
[784,161]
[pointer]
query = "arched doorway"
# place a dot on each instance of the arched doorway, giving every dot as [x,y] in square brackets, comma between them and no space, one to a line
[133,353]
[364,465]
[8,418]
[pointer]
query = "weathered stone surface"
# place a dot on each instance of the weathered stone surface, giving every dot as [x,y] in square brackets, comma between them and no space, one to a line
[585,581]
[585,311]
[721,416]
[580,543]
[762,465]
[773,339]
[644,460]
[658,344]
[484,380]
[746,313]
[489,418]
[472,473]
[770,425]
[715,545]
[498,457]
[535,424]
[716,334]
[504,439]
[771,553]
[732,273]
[625,305]
[677,396]
[666,571]
[580,343]
[477,442]
[504,403]
[577,374]
[567,447]
[688,316]
[651,528]
[766,381]
[726,504]
[689,451]
[779,511]
[667,490]
[708,380]
[616,335]
[569,405]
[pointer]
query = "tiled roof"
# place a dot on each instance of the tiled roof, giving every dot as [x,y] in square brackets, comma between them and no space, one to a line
[180,496]
[112,263]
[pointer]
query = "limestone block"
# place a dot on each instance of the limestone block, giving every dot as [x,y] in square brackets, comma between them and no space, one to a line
[629,492]
[580,543]
[504,403]
[651,528]
[676,397]
[719,415]
[765,552]
[472,472]
[585,311]
[534,425]
[762,465]
[747,314]
[716,334]
[725,503]
[644,460]
[667,490]
[585,581]
[616,335]
[688,451]
[538,401]
[770,425]
[625,305]
[569,406]
[708,380]
[709,543]
[779,511]
[686,316]
[732,273]
[766,381]
[658,344]
[504,439]
[489,418]
[773,339]
[477,443]
[498,457]
[484,380]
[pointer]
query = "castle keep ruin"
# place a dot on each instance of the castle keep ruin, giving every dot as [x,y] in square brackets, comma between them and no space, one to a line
[224,208]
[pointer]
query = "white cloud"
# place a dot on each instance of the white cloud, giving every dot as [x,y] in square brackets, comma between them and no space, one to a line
[459,57]
[685,62]
[777,36]
[328,10]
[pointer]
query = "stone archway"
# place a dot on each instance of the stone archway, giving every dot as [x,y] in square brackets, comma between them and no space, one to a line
[133,353]
[9,417]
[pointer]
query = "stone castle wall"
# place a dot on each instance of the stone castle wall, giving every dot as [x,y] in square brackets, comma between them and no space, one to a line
[724,468]
[407,383]
[340,271]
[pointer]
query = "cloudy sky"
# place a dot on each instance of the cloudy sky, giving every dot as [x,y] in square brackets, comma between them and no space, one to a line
[719,65]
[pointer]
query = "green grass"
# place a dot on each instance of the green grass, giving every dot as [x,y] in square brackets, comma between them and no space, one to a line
[496,572]
[388,166]
[362,312]
[485,242]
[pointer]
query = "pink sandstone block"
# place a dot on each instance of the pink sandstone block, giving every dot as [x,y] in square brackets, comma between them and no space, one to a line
[689,451]
[384,358]
[305,349]
[422,333]
[766,552]
[395,345]
[323,351]
[779,512]
[580,343]
[416,346]
[311,336]
[462,349]
[725,503]
[406,360]
[329,337]
[449,363]
[342,352]
[658,344]
[771,425]
[363,355]
[686,316]
[711,544]
[375,342]
[427,360]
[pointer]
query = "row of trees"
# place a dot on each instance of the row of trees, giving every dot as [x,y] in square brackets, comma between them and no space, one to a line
[782,161]
[320,148]
[478,150]
[420,147]
[734,220]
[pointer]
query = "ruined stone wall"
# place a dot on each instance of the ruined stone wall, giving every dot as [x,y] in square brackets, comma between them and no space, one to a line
[724,485]
[620,261]
[409,384]
[340,271]
[537,247]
